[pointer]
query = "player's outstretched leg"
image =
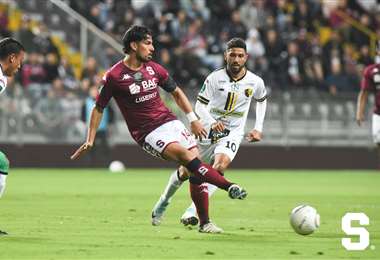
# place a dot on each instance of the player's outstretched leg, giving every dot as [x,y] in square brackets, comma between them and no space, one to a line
[202,171]
[160,207]
[208,174]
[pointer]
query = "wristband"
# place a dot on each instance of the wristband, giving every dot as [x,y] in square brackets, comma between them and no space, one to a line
[191,117]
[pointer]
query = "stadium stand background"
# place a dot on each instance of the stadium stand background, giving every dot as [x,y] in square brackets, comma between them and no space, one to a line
[310,53]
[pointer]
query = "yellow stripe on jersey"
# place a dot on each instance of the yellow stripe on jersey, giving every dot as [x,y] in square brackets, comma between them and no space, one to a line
[228,101]
[224,114]
[231,101]
[234,100]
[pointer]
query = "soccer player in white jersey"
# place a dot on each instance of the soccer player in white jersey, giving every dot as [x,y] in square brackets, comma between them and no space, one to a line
[11,57]
[222,105]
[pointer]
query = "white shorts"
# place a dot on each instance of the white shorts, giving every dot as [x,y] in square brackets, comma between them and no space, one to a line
[170,132]
[228,145]
[376,128]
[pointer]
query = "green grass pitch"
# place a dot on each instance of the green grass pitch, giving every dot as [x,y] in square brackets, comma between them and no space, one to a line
[94,214]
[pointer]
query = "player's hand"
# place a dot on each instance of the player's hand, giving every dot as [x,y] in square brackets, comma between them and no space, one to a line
[359,120]
[254,136]
[84,148]
[218,126]
[198,130]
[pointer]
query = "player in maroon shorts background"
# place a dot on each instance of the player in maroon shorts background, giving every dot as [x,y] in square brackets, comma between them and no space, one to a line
[371,84]
[133,82]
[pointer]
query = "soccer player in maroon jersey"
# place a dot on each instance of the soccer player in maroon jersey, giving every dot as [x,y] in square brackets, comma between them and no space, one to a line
[133,82]
[371,83]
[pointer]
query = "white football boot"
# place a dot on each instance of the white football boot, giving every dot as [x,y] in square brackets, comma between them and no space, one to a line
[210,228]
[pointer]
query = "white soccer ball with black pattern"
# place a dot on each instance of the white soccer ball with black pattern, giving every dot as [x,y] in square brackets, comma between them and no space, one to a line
[304,219]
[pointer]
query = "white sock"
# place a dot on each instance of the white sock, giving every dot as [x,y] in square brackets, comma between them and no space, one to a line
[173,185]
[191,210]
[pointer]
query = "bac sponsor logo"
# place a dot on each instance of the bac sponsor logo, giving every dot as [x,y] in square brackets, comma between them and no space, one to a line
[146,97]
[149,84]
[146,85]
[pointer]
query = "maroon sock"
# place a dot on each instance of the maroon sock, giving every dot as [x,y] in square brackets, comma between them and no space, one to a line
[206,173]
[199,195]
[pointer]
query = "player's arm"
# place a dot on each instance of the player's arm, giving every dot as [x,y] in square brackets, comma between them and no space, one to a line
[184,104]
[105,94]
[96,117]
[362,102]
[204,114]
[366,85]
[206,94]
[256,134]
[260,95]
[170,86]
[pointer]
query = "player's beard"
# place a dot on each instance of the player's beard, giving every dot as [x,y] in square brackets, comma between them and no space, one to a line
[143,59]
[235,70]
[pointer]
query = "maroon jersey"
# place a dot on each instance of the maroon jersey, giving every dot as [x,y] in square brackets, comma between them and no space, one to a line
[137,96]
[371,82]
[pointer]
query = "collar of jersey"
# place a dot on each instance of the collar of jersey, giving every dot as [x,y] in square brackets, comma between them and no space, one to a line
[232,80]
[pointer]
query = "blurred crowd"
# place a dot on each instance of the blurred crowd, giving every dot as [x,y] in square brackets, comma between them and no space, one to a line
[292,44]
[284,37]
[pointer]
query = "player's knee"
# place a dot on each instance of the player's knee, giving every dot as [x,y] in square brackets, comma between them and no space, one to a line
[219,167]
[221,162]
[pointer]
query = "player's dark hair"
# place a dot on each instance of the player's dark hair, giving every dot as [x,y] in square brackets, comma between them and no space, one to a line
[10,46]
[135,33]
[236,43]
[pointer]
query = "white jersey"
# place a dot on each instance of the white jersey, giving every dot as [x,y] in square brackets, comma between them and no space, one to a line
[3,81]
[229,101]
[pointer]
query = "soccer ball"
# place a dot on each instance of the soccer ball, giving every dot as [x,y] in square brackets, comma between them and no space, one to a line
[304,219]
[116,166]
